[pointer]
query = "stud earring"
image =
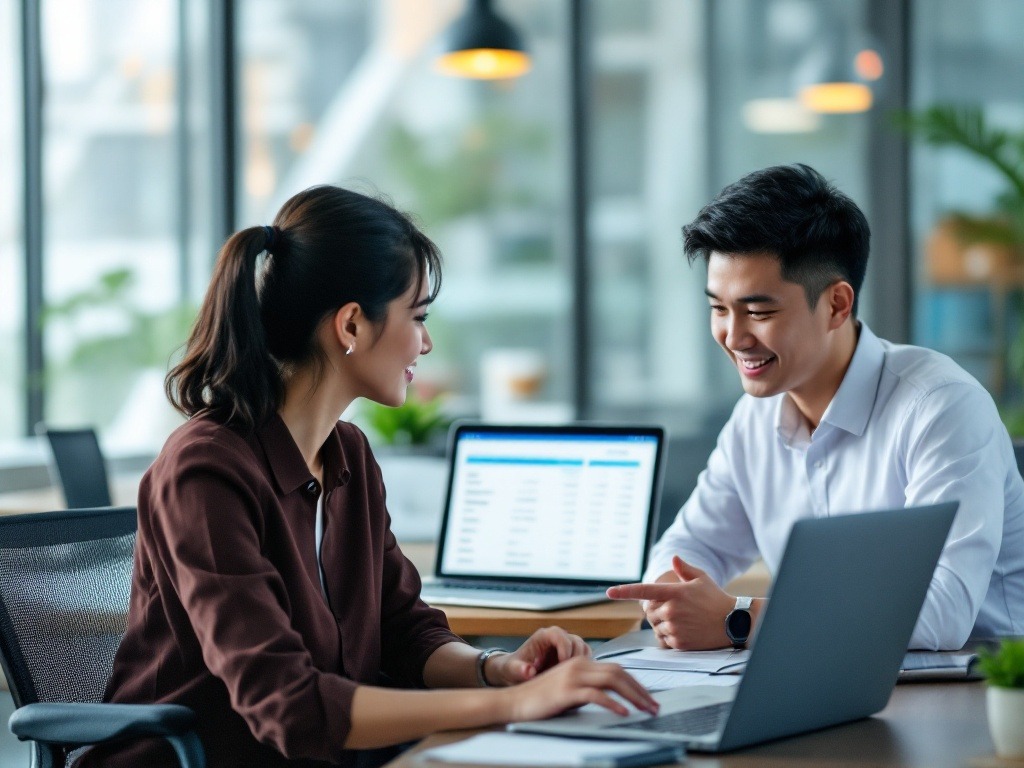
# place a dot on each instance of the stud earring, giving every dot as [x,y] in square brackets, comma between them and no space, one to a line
[349,350]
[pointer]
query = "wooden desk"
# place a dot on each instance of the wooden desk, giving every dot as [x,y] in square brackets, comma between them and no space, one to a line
[595,622]
[924,724]
[123,489]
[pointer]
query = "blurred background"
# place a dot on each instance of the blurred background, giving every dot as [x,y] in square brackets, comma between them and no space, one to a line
[135,135]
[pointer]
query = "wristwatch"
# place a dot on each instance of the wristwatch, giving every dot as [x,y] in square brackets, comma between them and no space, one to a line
[738,623]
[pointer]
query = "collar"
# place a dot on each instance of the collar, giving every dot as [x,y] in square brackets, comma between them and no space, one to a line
[852,404]
[285,459]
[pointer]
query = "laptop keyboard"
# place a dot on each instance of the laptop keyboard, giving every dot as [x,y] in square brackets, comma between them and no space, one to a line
[697,722]
[556,589]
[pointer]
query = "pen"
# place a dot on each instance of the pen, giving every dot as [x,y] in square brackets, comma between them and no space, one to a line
[660,756]
[611,654]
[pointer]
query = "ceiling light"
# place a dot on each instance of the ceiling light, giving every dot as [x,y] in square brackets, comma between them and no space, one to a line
[482,45]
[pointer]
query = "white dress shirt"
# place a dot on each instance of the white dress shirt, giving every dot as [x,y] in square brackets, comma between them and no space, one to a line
[907,427]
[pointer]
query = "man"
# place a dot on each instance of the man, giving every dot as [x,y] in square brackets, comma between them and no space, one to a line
[833,420]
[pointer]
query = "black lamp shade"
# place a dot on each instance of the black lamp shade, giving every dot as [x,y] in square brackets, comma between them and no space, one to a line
[482,45]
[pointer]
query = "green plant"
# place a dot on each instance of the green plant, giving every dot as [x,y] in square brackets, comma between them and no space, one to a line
[1004,668]
[479,170]
[415,422]
[135,339]
[1002,150]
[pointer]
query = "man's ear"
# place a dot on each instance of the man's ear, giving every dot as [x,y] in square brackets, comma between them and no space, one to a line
[346,324]
[840,297]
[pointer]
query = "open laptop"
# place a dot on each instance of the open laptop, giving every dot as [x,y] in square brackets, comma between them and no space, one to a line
[545,517]
[827,649]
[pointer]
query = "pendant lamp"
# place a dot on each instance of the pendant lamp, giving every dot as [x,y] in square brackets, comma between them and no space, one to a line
[844,73]
[482,45]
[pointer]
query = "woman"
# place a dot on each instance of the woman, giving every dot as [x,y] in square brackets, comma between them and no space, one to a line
[269,594]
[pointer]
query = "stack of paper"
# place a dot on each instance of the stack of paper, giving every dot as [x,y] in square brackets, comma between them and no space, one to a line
[525,750]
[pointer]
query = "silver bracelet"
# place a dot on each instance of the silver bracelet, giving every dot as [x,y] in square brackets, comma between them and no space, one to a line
[481,659]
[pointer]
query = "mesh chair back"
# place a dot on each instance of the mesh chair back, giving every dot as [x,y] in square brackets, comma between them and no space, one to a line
[78,466]
[65,578]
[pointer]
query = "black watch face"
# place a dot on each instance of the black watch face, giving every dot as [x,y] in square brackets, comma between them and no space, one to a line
[739,625]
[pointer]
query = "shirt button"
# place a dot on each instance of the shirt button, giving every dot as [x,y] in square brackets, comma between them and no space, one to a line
[311,487]
[819,464]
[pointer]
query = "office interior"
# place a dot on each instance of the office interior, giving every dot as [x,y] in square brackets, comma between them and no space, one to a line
[135,135]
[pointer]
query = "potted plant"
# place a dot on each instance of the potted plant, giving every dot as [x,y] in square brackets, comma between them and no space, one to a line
[1004,672]
[988,249]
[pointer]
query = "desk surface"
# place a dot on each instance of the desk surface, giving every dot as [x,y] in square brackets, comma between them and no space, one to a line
[598,622]
[924,724]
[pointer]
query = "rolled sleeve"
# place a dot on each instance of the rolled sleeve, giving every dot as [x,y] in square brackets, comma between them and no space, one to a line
[954,452]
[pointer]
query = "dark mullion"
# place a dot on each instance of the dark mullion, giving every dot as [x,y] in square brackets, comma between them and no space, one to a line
[890,275]
[32,125]
[579,83]
[183,157]
[224,122]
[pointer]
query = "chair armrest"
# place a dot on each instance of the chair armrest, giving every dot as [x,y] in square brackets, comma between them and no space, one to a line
[80,724]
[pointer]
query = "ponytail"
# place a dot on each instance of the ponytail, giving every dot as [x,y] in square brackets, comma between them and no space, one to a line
[227,369]
[328,246]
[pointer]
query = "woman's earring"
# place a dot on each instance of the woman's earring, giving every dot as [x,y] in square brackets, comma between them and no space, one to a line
[350,348]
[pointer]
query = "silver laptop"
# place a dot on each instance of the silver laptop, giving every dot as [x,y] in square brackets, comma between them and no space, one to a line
[829,645]
[545,517]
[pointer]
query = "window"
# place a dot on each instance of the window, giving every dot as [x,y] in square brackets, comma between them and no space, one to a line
[12,254]
[345,93]
[111,277]
[968,289]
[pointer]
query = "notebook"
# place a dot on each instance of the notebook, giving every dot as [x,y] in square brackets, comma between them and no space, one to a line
[545,517]
[828,647]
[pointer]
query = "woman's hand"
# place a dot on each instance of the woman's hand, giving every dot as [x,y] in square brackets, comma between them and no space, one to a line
[542,650]
[574,683]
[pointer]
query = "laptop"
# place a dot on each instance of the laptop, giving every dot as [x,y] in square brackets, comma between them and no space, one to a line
[545,517]
[828,647]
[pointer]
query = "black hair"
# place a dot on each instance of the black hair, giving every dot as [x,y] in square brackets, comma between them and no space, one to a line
[792,213]
[328,247]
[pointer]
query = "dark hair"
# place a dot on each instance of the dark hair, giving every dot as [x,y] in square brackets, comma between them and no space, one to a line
[791,212]
[328,247]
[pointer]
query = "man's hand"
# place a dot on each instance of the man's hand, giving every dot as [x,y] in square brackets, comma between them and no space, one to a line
[686,608]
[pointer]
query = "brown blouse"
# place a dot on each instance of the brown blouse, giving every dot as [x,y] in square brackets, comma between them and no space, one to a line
[227,613]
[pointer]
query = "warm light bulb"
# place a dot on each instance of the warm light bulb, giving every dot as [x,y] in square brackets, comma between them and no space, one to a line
[484,63]
[837,98]
[868,64]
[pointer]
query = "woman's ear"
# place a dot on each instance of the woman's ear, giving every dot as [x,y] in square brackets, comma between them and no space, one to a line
[347,324]
[840,297]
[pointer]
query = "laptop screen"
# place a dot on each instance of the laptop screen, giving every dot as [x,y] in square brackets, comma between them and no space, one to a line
[572,504]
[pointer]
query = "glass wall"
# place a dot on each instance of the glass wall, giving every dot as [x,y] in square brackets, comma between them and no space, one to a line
[648,177]
[967,214]
[111,276]
[673,122]
[684,97]
[346,93]
[12,255]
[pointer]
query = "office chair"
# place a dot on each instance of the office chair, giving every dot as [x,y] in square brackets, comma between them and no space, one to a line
[65,578]
[77,466]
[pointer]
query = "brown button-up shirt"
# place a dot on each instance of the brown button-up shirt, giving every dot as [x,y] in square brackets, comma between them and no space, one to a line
[227,612]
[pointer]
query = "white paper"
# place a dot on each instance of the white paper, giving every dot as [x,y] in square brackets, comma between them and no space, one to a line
[729,660]
[522,749]
[937,660]
[664,679]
